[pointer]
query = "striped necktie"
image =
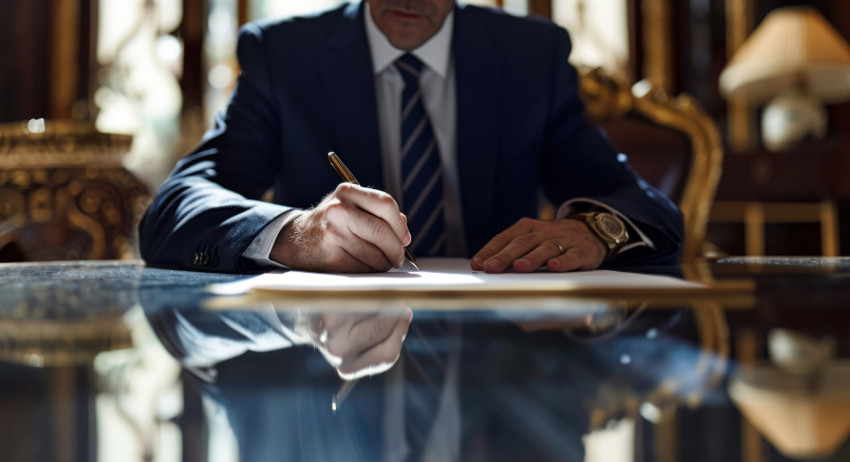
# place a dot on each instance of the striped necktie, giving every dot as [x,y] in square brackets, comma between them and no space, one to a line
[421,170]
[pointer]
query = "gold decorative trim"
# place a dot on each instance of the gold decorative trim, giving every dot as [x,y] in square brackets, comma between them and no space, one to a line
[739,22]
[84,221]
[64,182]
[739,17]
[66,342]
[60,144]
[104,206]
[66,44]
[607,98]
[658,54]
[78,159]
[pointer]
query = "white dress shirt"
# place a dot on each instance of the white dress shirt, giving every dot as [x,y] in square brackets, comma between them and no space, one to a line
[437,83]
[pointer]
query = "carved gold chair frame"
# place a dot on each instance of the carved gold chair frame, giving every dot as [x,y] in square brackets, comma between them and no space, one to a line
[607,98]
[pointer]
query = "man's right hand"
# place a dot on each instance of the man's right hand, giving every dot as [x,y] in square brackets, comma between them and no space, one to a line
[352,230]
[358,344]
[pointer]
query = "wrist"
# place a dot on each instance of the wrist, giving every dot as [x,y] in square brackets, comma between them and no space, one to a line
[610,230]
[285,244]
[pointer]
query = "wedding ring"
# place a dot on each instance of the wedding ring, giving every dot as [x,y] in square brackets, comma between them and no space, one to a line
[561,250]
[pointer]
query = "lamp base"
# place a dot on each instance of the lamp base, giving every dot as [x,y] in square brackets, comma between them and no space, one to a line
[791,118]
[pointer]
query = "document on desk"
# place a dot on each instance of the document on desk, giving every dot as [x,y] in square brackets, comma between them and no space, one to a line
[452,276]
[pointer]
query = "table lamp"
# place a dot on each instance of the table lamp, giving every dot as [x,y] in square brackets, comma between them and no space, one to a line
[795,62]
[800,400]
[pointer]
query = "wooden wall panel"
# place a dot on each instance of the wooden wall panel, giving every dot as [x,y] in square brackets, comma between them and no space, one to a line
[192,31]
[540,8]
[24,63]
[47,65]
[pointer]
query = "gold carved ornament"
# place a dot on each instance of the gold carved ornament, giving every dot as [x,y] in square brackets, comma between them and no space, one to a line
[64,193]
[607,99]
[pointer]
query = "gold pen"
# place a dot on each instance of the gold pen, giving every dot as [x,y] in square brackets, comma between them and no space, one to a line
[346,175]
[337,399]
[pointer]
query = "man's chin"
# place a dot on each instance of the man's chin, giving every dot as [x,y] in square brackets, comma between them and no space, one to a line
[406,41]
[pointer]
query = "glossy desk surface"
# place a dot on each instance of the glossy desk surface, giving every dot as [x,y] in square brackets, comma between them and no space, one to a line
[712,377]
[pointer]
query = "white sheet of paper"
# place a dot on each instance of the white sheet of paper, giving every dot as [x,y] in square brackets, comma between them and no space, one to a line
[450,275]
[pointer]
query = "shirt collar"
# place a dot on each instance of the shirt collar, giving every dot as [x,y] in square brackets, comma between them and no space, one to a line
[434,53]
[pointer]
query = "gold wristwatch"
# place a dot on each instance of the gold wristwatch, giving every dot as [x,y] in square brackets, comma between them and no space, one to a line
[607,227]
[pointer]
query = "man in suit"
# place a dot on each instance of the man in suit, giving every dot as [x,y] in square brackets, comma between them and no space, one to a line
[497,116]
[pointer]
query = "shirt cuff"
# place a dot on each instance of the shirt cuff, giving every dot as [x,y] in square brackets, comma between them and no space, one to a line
[581,203]
[261,247]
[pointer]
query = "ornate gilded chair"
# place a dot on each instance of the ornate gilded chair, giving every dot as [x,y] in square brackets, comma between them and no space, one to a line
[675,146]
[670,141]
[64,194]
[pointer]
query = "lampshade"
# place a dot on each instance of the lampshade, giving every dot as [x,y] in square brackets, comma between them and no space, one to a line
[794,48]
[799,421]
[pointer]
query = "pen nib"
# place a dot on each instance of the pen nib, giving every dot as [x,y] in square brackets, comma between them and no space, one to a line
[409,255]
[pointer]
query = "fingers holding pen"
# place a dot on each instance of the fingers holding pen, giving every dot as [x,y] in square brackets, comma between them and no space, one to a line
[359,344]
[382,224]
[376,343]
[353,229]
[379,204]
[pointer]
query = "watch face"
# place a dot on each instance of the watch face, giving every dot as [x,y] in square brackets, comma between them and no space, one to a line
[611,226]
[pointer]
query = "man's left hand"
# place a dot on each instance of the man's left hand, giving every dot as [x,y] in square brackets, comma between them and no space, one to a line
[560,245]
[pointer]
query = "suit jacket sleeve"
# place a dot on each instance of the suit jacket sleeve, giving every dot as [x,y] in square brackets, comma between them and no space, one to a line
[579,161]
[207,212]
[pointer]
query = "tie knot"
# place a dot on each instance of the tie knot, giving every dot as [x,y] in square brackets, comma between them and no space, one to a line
[409,66]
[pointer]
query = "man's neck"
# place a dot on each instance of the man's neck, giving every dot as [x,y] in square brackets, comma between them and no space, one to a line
[435,52]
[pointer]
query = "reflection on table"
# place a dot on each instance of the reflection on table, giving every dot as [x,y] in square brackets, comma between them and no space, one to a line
[555,378]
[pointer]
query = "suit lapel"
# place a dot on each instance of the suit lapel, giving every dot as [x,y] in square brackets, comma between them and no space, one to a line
[477,74]
[347,74]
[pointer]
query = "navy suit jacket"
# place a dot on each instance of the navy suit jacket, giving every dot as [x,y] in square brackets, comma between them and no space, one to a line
[307,88]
